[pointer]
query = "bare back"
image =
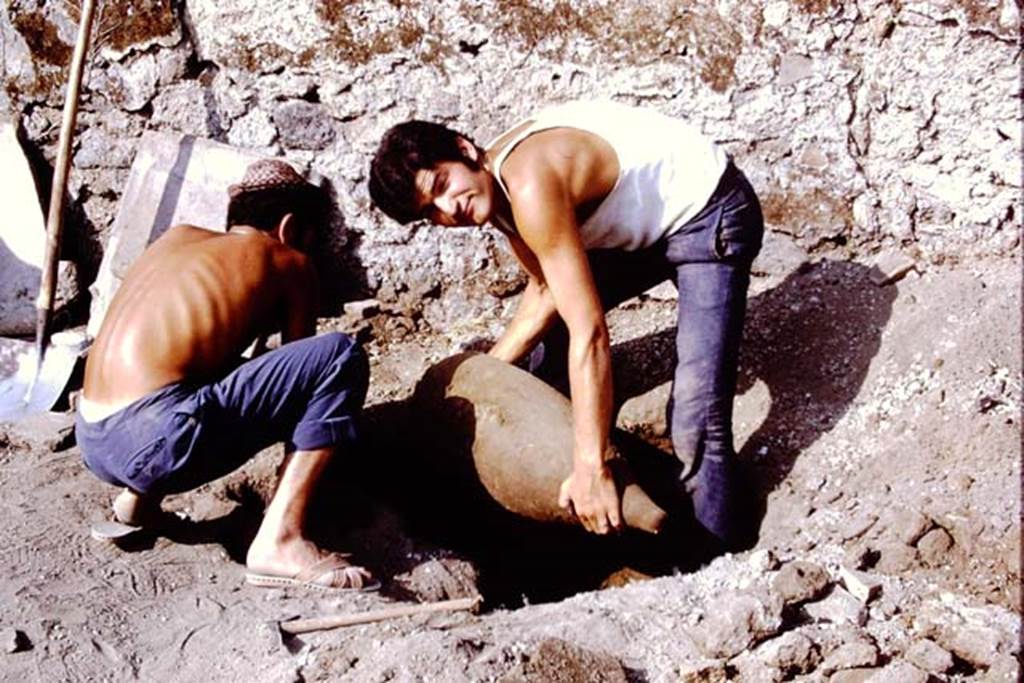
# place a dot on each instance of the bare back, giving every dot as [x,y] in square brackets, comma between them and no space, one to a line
[191,304]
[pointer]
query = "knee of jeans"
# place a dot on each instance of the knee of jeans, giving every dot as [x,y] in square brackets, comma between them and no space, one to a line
[350,363]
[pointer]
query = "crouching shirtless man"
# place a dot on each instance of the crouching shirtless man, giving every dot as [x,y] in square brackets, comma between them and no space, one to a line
[601,201]
[166,405]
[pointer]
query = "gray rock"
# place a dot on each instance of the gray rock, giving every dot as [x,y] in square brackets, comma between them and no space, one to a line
[800,581]
[708,671]
[898,671]
[934,547]
[838,607]
[131,87]
[851,655]
[792,653]
[304,125]
[895,558]
[907,526]
[861,585]
[929,656]
[254,130]
[186,108]
[738,620]
[890,267]
[858,525]
[13,640]
[559,661]
[98,149]
[977,645]
[853,675]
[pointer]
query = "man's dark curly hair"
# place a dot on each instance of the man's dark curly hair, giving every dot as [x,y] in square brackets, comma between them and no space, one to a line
[404,150]
[264,208]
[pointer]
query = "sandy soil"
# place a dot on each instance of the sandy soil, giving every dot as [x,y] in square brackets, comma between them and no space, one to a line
[880,425]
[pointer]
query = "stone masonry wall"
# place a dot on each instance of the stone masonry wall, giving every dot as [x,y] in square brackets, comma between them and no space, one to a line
[863,125]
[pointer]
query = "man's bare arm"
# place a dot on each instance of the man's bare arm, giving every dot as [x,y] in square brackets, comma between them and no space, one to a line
[534,315]
[545,218]
[300,300]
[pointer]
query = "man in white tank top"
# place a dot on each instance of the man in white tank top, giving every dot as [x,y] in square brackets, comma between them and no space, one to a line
[589,178]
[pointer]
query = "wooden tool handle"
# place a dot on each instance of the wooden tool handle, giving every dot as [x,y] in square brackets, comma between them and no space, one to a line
[55,216]
[335,621]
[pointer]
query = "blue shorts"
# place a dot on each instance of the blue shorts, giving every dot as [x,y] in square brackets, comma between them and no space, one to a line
[307,393]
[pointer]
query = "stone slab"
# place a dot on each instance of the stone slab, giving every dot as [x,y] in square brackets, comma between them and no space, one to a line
[174,179]
[22,238]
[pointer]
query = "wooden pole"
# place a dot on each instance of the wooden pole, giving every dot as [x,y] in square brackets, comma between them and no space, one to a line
[336,621]
[55,216]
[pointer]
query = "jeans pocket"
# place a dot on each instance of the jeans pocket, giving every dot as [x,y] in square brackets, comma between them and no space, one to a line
[146,465]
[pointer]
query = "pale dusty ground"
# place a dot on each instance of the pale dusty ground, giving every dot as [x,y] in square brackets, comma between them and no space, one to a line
[878,422]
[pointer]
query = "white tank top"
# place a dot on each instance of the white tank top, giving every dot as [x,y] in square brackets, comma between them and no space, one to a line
[667,170]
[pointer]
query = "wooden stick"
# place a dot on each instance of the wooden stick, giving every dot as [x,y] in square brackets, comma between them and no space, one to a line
[55,216]
[336,621]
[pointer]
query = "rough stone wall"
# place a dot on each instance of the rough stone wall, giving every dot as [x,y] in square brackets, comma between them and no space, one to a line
[863,124]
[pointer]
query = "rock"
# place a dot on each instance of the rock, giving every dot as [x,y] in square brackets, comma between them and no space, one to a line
[557,661]
[447,578]
[98,149]
[898,671]
[132,87]
[186,107]
[800,581]
[738,621]
[934,547]
[861,585]
[851,655]
[13,640]
[304,125]
[791,653]
[890,267]
[763,560]
[253,130]
[977,645]
[853,675]
[838,607]
[857,526]
[793,68]
[1004,668]
[362,309]
[929,656]
[894,558]
[859,557]
[907,526]
[707,671]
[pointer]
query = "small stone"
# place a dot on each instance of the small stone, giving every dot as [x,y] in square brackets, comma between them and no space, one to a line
[934,547]
[895,558]
[791,653]
[859,557]
[890,267]
[853,675]
[362,309]
[558,660]
[763,560]
[253,130]
[987,403]
[13,640]
[738,621]
[929,656]
[898,671]
[977,645]
[851,655]
[907,526]
[706,671]
[304,125]
[800,581]
[838,607]
[861,585]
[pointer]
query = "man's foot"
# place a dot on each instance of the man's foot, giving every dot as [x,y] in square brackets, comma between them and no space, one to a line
[136,509]
[302,564]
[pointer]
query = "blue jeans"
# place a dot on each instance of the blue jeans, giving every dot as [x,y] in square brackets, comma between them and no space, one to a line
[709,260]
[308,394]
